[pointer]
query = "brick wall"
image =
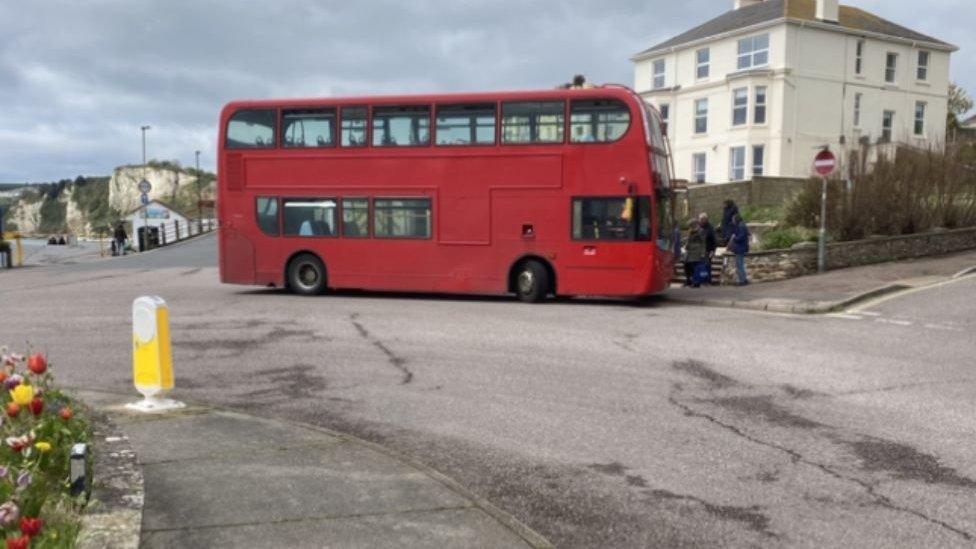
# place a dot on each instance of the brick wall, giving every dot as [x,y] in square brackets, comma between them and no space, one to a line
[780,264]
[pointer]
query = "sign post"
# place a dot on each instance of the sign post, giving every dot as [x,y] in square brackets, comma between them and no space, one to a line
[144,187]
[824,163]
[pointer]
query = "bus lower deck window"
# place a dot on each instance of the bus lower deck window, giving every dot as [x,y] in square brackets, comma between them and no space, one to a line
[402,218]
[310,217]
[604,218]
[355,217]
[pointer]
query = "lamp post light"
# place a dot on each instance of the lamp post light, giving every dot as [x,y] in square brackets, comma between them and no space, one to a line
[144,128]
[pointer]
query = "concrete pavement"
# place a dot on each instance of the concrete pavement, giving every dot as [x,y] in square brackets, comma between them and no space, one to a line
[215,478]
[831,291]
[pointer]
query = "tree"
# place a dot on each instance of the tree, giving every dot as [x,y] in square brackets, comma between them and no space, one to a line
[959,104]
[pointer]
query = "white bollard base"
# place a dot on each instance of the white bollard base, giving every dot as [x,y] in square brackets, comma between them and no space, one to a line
[151,404]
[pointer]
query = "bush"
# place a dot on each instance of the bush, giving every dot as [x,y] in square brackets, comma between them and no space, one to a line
[786,237]
[918,191]
[760,214]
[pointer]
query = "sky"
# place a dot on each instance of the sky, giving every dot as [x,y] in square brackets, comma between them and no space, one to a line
[78,78]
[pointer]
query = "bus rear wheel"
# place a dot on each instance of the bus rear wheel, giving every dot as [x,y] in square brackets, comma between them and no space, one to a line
[306,275]
[532,281]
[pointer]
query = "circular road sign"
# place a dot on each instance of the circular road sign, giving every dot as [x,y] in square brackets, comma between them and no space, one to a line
[145,186]
[825,162]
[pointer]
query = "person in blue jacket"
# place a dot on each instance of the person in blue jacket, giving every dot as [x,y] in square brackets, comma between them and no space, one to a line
[739,245]
[729,211]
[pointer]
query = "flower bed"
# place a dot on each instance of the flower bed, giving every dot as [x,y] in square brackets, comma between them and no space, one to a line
[38,429]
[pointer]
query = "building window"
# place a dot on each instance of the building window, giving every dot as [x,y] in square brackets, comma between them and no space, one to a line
[758,160]
[922,73]
[659,79]
[533,122]
[401,126]
[859,58]
[353,127]
[759,115]
[251,129]
[310,217]
[740,106]
[857,109]
[920,118]
[699,163]
[891,64]
[701,116]
[887,123]
[604,219]
[267,210]
[665,109]
[754,52]
[702,67]
[355,217]
[466,125]
[737,163]
[598,121]
[308,128]
[401,218]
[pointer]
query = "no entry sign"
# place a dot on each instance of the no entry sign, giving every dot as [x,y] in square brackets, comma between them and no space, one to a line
[825,162]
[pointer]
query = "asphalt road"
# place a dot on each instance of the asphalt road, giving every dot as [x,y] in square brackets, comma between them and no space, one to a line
[597,423]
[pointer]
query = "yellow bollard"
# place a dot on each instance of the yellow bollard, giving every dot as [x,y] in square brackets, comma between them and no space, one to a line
[152,355]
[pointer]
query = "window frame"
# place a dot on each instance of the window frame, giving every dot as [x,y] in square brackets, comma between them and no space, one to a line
[732,165]
[919,122]
[374,209]
[859,58]
[278,216]
[634,223]
[694,167]
[922,69]
[663,75]
[496,134]
[858,96]
[563,125]
[569,122]
[275,129]
[706,64]
[762,157]
[740,108]
[701,116]
[335,127]
[891,67]
[371,123]
[752,53]
[335,231]
[890,130]
[342,217]
[341,119]
[757,105]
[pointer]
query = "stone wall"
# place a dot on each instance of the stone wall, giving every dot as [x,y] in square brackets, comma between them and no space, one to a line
[780,264]
[711,197]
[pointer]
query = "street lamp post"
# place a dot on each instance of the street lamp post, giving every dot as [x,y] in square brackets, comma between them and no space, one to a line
[199,194]
[145,208]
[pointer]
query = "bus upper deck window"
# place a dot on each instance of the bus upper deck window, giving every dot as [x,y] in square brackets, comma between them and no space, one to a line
[527,122]
[598,121]
[251,129]
[466,125]
[401,126]
[354,127]
[309,128]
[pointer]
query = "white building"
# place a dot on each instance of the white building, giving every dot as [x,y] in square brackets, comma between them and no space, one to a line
[756,90]
[161,215]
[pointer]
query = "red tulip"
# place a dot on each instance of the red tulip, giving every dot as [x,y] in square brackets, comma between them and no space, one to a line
[31,526]
[66,413]
[37,406]
[37,364]
[22,542]
[13,409]
[3,376]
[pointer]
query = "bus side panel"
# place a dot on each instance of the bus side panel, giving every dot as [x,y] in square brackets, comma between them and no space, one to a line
[236,258]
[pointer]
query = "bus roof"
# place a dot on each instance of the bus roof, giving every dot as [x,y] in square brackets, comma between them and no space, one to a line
[608,91]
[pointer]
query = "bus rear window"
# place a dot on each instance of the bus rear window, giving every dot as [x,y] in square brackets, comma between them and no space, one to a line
[533,122]
[599,121]
[251,129]
[309,128]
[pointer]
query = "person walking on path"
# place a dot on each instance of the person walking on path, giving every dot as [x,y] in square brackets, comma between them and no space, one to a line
[120,238]
[694,254]
[739,245]
[711,243]
[729,211]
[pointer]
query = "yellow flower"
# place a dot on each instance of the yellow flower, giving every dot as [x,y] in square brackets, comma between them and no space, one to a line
[43,447]
[22,394]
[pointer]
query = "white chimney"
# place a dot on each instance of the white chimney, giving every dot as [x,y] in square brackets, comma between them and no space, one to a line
[746,3]
[828,10]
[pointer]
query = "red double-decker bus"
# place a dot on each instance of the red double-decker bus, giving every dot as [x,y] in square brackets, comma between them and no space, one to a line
[560,192]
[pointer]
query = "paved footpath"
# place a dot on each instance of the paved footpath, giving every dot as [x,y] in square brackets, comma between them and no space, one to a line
[831,291]
[216,478]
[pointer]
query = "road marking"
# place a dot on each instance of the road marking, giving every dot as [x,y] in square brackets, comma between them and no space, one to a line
[942,327]
[845,316]
[878,301]
[869,313]
[892,321]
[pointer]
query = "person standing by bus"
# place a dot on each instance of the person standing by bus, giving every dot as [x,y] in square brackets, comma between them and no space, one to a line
[739,244]
[729,211]
[708,232]
[694,254]
[120,237]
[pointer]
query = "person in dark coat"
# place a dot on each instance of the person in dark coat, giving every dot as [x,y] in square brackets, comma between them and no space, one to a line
[729,211]
[120,238]
[711,243]
[739,245]
[694,253]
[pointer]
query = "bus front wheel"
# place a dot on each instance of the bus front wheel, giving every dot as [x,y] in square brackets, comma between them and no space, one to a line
[532,281]
[306,275]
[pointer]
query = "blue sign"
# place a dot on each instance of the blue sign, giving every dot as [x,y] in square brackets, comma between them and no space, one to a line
[144,199]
